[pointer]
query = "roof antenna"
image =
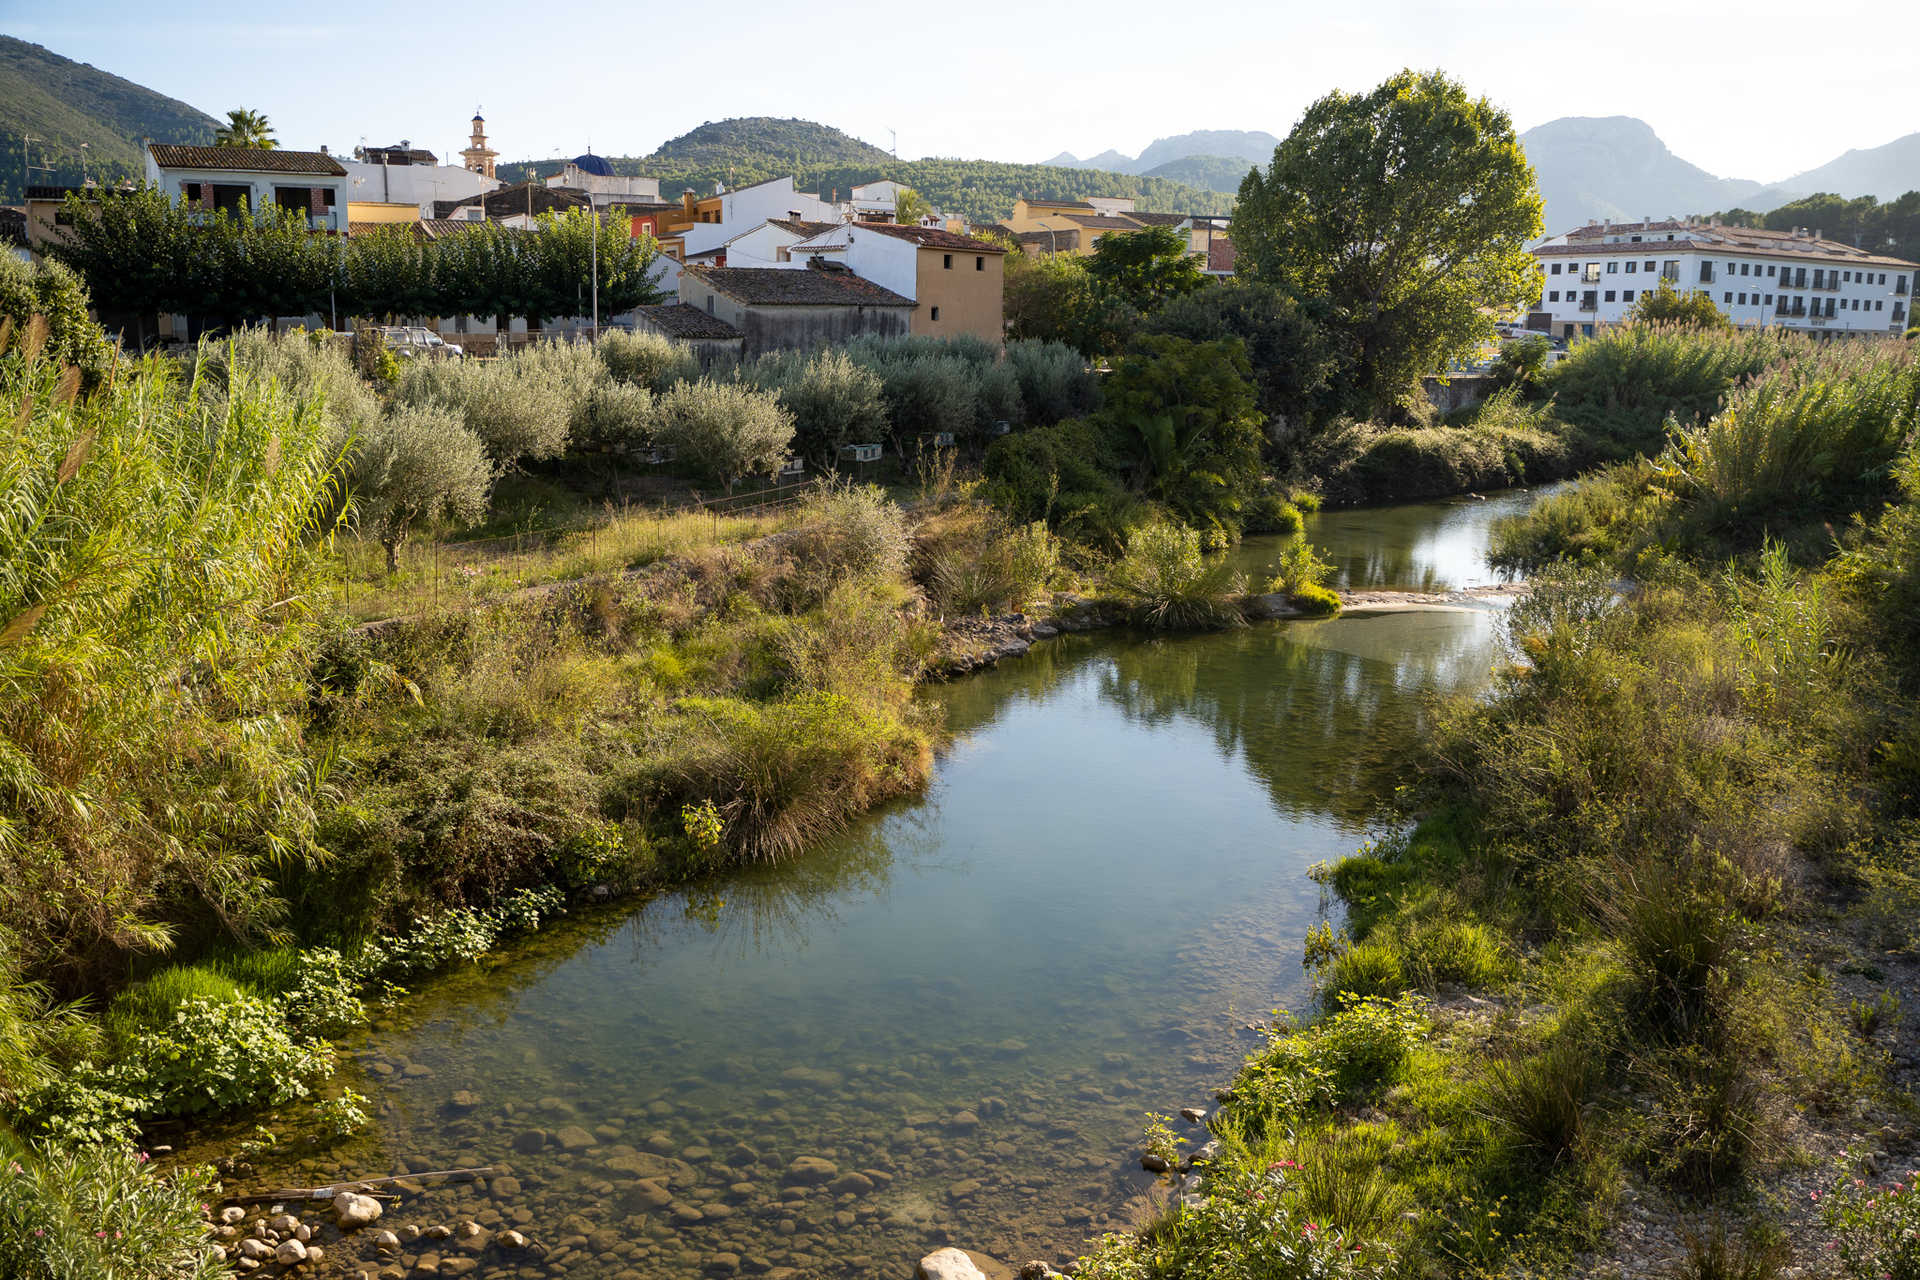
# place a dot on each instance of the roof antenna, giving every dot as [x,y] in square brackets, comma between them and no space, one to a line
[895,148]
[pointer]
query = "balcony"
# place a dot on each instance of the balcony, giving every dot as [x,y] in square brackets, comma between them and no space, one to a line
[1590,276]
[1830,283]
[1670,274]
[1589,301]
[1706,273]
[1899,314]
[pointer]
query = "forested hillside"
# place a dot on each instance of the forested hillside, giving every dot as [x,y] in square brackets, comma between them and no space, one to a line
[60,104]
[1891,228]
[739,152]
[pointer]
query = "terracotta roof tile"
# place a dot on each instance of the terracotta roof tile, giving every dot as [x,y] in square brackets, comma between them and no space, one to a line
[251,159]
[678,320]
[932,238]
[785,286]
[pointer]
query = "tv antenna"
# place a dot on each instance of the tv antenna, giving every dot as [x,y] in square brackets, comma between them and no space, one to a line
[895,148]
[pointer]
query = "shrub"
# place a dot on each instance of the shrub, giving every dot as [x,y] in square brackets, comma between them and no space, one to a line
[102,1210]
[1316,601]
[522,405]
[1506,443]
[1067,475]
[1172,586]
[969,558]
[649,361]
[1346,1057]
[417,464]
[1367,969]
[725,430]
[1876,1227]
[614,416]
[851,532]
[1291,355]
[1343,1184]
[67,333]
[1054,381]
[1541,1097]
[833,400]
[309,368]
[218,1056]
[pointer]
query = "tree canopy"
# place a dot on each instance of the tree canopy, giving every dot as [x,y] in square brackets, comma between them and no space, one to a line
[1669,305]
[1146,268]
[1407,210]
[246,128]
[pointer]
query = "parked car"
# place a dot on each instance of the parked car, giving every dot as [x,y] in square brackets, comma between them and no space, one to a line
[409,341]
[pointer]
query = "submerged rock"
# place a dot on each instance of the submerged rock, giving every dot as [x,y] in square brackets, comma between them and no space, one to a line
[948,1264]
[811,1170]
[354,1210]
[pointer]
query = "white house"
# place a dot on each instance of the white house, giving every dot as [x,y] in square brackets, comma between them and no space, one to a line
[870,253]
[595,176]
[311,183]
[770,243]
[1794,279]
[749,207]
[406,175]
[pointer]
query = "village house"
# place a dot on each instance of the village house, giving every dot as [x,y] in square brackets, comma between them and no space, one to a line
[310,183]
[956,282]
[776,309]
[711,338]
[403,176]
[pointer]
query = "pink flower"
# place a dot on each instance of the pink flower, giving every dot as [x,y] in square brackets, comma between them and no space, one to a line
[100,1235]
[144,1157]
[1309,1229]
[1814,1196]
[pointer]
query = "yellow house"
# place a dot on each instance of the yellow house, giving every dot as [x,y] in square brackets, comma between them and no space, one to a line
[1070,226]
[366,215]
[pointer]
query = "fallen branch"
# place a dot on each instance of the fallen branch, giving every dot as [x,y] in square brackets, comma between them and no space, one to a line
[363,1185]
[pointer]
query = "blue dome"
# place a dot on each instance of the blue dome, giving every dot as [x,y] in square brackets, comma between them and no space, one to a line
[595,165]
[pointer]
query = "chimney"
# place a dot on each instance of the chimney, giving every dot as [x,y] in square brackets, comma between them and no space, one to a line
[323,148]
[1817,235]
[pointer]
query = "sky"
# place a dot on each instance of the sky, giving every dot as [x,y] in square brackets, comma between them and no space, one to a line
[1761,90]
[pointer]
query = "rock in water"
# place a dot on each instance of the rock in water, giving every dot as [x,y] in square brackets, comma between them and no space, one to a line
[811,1171]
[948,1264]
[355,1210]
[290,1253]
[1153,1163]
[1192,1115]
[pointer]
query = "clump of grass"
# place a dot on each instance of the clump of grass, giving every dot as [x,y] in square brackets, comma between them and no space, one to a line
[1714,1253]
[1541,1096]
[1172,586]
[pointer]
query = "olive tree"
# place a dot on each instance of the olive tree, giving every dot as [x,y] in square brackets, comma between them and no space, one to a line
[725,429]
[417,463]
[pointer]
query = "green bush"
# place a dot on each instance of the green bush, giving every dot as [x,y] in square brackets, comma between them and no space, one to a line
[150,1004]
[1316,601]
[725,430]
[1542,1095]
[416,465]
[833,400]
[1348,1056]
[649,361]
[309,367]
[96,1210]
[523,405]
[850,532]
[1171,586]
[1054,381]
[67,335]
[1291,355]
[1368,969]
[218,1056]
[1506,443]
[1067,475]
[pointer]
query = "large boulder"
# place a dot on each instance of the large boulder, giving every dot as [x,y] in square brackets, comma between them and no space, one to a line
[948,1264]
[354,1210]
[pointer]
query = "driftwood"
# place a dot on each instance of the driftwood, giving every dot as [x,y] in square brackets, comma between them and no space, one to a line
[331,1190]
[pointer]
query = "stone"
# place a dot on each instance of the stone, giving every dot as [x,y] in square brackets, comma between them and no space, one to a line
[645,1194]
[290,1253]
[963,1122]
[257,1249]
[510,1240]
[948,1264]
[463,1100]
[1037,1270]
[1153,1163]
[233,1215]
[1192,1115]
[353,1210]
[574,1138]
[721,1264]
[459,1266]
[740,1155]
[303,1233]
[385,1240]
[684,1213]
[811,1171]
[439,1231]
[316,1255]
[851,1183]
[530,1141]
[285,1224]
[504,1187]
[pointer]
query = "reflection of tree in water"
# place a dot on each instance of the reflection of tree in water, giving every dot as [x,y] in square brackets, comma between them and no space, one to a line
[1320,711]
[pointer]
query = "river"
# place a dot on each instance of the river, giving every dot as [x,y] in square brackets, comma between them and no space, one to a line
[966,1006]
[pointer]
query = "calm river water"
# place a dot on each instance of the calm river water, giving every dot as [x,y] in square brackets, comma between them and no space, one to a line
[970,1002]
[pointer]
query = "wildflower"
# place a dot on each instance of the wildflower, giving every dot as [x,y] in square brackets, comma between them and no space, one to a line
[144,1157]
[100,1235]
[1309,1229]
[1814,1196]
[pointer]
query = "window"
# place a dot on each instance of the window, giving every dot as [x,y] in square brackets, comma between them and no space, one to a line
[1883,277]
[1554,270]
[947,261]
[1649,266]
[1880,304]
[1769,301]
[1847,276]
[936,310]
[1746,268]
[1553,295]
[1770,271]
[1609,295]
[1636,240]
[1613,268]
[980,264]
[1729,297]
[1732,267]
[1626,295]
[1743,299]
[1706,273]
[1632,267]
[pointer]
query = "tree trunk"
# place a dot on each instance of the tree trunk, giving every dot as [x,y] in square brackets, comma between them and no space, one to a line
[392,544]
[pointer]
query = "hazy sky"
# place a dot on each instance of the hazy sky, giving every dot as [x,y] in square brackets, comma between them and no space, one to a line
[1758,90]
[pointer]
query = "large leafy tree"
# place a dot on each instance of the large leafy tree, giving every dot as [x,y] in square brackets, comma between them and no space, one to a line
[1146,268]
[1055,298]
[1182,416]
[246,128]
[1289,350]
[1407,210]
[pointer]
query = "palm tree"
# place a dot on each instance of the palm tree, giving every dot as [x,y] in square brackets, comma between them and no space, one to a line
[246,128]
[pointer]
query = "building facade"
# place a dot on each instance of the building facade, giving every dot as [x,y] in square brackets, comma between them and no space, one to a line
[777,310]
[310,183]
[1758,279]
[957,283]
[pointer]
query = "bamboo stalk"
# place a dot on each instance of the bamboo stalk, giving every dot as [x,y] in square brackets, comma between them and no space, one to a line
[331,1190]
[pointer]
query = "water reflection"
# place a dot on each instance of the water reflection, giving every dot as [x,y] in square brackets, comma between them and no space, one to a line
[964,1005]
[1425,546]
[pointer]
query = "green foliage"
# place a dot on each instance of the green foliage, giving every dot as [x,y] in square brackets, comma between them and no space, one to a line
[1693,309]
[724,430]
[1505,444]
[1068,475]
[1876,1227]
[851,533]
[246,128]
[833,400]
[1054,297]
[149,1004]
[1406,211]
[1892,228]
[1146,268]
[1182,415]
[146,542]
[1522,365]
[648,360]
[310,368]
[1172,586]
[102,1210]
[221,1055]
[1541,1097]
[342,1115]
[1347,1057]
[969,558]
[67,334]
[417,464]
[1054,380]
[521,406]
[1291,354]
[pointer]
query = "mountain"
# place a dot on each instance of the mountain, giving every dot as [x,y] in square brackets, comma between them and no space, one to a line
[1591,168]
[1245,148]
[62,104]
[1252,147]
[1885,173]
[1209,173]
[823,159]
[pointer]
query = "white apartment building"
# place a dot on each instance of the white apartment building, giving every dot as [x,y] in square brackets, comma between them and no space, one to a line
[1792,279]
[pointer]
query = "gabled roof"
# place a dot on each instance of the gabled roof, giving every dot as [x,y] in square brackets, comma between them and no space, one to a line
[1103,222]
[932,237]
[1160,219]
[678,320]
[805,230]
[1078,206]
[791,287]
[245,160]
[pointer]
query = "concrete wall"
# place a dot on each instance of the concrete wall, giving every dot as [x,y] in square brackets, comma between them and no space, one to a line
[1457,392]
[804,328]
[415,184]
[969,294]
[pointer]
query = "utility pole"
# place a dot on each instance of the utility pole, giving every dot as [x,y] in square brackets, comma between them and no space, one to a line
[594,254]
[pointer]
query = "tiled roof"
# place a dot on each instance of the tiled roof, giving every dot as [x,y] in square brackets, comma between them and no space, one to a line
[1099,222]
[250,159]
[1080,205]
[505,202]
[678,320]
[805,230]
[1735,241]
[1160,219]
[933,238]
[790,287]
